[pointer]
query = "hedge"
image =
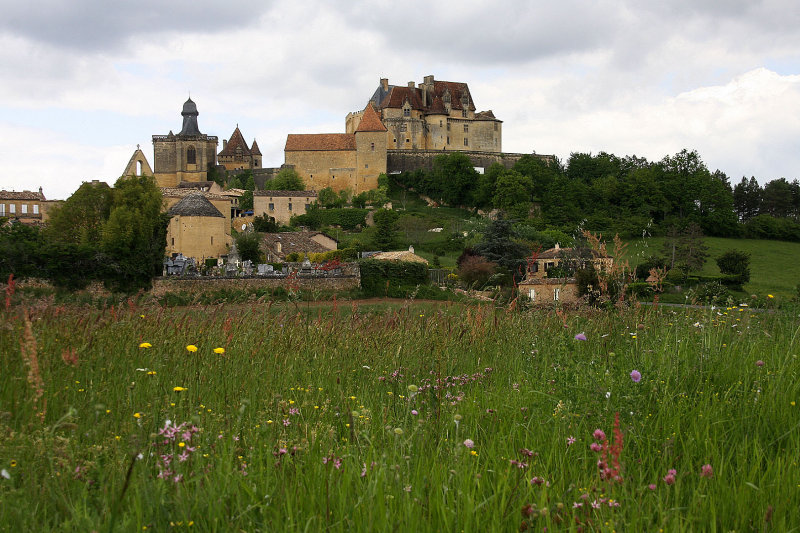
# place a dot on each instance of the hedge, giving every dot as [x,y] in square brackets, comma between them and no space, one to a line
[395,279]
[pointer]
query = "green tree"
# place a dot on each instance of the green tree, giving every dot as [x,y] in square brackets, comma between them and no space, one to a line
[499,247]
[685,249]
[735,263]
[80,219]
[385,225]
[265,224]
[327,197]
[249,246]
[246,201]
[512,190]
[747,198]
[455,178]
[286,179]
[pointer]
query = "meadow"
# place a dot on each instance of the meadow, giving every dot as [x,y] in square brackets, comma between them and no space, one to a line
[404,417]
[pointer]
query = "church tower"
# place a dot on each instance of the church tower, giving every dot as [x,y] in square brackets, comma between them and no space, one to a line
[186,156]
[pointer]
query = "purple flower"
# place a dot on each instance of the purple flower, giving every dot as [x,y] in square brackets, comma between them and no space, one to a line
[469,443]
[414,412]
[595,447]
[636,376]
[580,337]
[759,363]
[599,434]
[706,471]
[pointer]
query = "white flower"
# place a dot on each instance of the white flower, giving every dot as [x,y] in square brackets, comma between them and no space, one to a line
[608,395]
[4,474]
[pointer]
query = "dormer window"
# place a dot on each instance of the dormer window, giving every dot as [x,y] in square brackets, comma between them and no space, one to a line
[406,111]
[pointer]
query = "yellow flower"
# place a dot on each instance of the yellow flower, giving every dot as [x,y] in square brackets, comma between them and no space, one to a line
[191,348]
[145,345]
[151,373]
[181,444]
[137,415]
[219,350]
[473,453]
[13,463]
[770,296]
[179,389]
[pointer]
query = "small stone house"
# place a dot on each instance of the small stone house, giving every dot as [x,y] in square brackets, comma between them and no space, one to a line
[574,258]
[282,205]
[549,290]
[26,206]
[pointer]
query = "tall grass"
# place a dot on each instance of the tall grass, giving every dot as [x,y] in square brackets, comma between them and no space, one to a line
[412,417]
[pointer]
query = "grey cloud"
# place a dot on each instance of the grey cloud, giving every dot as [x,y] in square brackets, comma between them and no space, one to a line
[102,25]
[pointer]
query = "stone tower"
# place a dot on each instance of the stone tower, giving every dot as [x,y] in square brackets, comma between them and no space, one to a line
[185,156]
[370,139]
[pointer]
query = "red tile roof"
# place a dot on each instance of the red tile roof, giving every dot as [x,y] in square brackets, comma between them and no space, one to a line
[254,149]
[24,195]
[398,95]
[236,141]
[302,142]
[370,121]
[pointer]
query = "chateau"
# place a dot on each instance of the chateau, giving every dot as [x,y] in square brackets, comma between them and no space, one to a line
[433,115]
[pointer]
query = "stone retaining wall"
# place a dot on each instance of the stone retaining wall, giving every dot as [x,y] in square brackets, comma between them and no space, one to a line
[197,285]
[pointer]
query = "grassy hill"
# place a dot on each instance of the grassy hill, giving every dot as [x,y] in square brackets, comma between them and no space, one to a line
[774,265]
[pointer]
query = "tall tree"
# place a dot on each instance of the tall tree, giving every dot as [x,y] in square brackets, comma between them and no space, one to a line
[498,246]
[747,198]
[80,219]
[385,226]
[286,179]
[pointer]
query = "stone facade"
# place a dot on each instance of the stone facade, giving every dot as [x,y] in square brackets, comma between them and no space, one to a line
[432,115]
[409,160]
[26,206]
[341,160]
[138,165]
[185,156]
[282,205]
[576,258]
[197,228]
[550,290]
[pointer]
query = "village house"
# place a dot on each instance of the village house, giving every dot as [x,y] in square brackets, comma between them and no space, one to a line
[26,206]
[197,228]
[236,155]
[282,205]
[541,289]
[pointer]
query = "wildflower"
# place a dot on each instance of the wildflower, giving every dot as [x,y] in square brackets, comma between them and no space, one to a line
[179,389]
[191,348]
[4,474]
[669,479]
[636,376]
[145,345]
[706,471]
[473,453]
[398,431]
[580,336]
[770,296]
[759,363]
[287,422]
[137,415]
[570,440]
[469,443]
[595,447]
[413,388]
[651,486]
[599,434]
[414,412]
[537,480]
[219,350]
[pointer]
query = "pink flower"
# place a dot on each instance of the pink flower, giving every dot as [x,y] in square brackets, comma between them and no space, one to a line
[599,434]
[414,412]
[759,363]
[706,471]
[469,444]
[636,376]
[595,447]
[669,479]
[287,422]
[537,480]
[570,440]
[580,337]
[651,486]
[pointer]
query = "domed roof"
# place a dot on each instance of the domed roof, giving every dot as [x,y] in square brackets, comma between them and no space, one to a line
[195,204]
[189,108]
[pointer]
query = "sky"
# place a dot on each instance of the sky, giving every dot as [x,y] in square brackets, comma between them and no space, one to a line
[86,81]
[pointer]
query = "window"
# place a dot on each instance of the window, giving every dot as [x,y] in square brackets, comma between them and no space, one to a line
[308,206]
[532,294]
[464,113]
[448,126]
[24,209]
[495,126]
[212,240]
[406,112]
[448,140]
[403,127]
[191,156]
[173,241]
[2,210]
[556,294]
[466,128]
[12,208]
[372,146]
[366,166]
[440,123]
[272,207]
[408,140]
[466,141]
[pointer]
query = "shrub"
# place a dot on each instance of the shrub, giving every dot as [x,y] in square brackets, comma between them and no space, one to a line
[475,270]
[736,264]
[713,292]
[396,279]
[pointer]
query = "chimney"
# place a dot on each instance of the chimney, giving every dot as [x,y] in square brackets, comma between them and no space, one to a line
[411,85]
[385,84]
[558,247]
[224,143]
[411,248]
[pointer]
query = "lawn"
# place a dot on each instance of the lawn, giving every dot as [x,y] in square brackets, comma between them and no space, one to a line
[774,265]
[398,417]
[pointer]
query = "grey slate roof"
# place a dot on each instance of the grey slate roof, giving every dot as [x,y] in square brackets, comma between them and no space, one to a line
[195,205]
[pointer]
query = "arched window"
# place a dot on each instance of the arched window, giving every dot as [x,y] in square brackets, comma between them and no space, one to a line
[191,156]
[139,168]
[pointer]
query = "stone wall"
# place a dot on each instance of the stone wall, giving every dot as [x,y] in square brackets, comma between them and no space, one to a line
[198,285]
[406,161]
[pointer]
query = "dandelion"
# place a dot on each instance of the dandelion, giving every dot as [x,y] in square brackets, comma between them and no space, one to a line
[706,471]
[191,348]
[179,389]
[473,453]
[770,296]
[469,443]
[145,345]
[137,415]
[636,376]
[219,350]
[580,336]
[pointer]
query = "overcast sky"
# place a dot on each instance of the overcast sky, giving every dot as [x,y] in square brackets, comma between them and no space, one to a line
[85,81]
